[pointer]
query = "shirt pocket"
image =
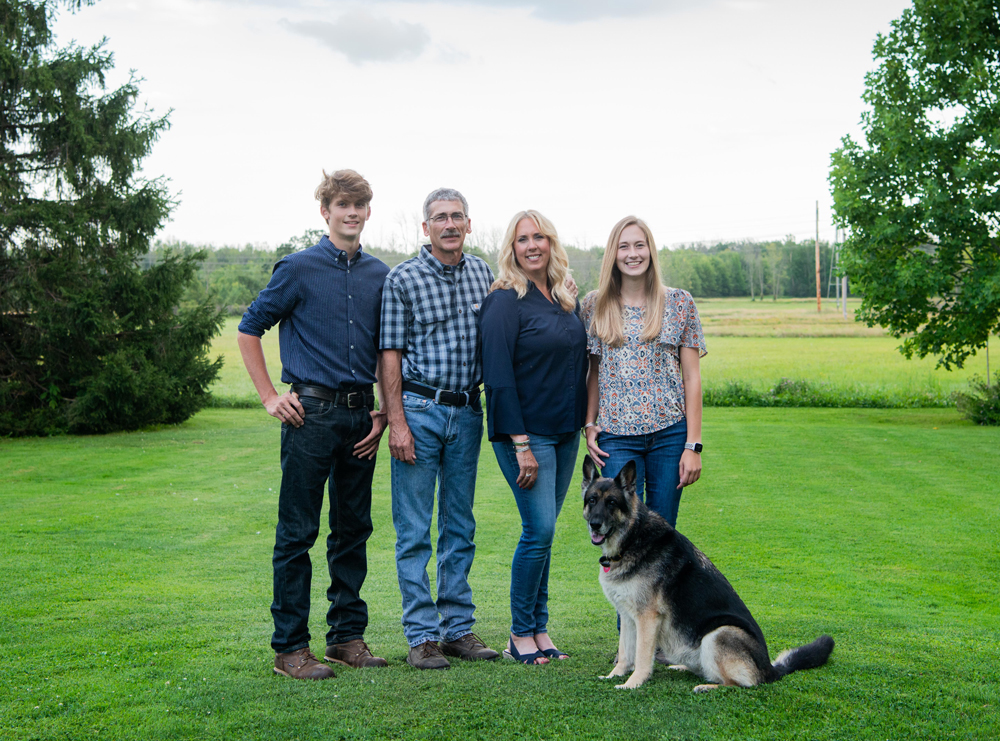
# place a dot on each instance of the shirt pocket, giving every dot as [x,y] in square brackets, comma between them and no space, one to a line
[432,312]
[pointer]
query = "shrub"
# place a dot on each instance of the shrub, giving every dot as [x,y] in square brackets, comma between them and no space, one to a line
[982,405]
[795,393]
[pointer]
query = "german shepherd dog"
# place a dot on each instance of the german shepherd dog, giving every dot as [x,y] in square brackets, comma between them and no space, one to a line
[671,597]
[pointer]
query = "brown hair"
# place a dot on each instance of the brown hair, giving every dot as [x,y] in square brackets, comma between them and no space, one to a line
[346,183]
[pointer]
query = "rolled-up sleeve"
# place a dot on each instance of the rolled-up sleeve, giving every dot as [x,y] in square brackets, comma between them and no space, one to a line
[274,303]
[499,327]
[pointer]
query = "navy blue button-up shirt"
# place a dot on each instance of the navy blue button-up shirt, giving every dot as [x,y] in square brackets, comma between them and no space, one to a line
[328,309]
[534,365]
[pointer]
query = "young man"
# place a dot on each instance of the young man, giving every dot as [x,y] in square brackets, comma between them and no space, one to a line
[431,374]
[327,299]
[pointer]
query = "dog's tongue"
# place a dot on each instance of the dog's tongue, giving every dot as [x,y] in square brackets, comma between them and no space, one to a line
[596,538]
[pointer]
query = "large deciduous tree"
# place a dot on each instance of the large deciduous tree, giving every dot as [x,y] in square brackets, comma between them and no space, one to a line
[89,341]
[921,195]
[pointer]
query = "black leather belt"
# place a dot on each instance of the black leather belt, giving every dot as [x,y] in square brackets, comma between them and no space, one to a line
[349,399]
[451,398]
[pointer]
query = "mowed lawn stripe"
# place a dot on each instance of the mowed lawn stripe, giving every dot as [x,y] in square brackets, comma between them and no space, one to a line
[137,576]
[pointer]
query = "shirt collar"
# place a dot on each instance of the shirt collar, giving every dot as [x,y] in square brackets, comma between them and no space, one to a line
[339,255]
[436,265]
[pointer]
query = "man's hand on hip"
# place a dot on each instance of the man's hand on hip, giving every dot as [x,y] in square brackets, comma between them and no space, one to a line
[286,408]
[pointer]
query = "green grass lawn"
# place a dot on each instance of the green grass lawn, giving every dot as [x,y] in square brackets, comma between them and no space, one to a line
[856,359]
[137,586]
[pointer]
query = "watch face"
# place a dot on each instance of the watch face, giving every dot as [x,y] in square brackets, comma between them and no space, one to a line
[697,447]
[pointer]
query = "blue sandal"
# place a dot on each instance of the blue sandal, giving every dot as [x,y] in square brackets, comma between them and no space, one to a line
[511,653]
[555,653]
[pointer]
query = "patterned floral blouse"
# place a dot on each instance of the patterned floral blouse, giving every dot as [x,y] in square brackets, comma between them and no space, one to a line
[640,383]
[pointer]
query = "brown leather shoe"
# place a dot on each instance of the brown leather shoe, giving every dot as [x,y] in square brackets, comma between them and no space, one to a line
[301,664]
[470,648]
[427,656]
[354,654]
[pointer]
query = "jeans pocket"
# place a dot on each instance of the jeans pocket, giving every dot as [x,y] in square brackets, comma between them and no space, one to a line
[314,407]
[415,403]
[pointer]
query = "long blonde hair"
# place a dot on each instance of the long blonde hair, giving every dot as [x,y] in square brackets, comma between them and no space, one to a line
[510,274]
[607,323]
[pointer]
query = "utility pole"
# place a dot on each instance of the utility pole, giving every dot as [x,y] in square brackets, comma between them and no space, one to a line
[819,306]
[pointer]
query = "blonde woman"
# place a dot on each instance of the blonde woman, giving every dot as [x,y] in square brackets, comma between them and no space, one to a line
[644,385]
[535,374]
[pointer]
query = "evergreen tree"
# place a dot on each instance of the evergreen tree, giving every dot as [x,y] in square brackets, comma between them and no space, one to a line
[89,341]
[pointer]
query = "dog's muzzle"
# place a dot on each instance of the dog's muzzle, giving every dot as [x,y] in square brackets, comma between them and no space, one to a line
[596,536]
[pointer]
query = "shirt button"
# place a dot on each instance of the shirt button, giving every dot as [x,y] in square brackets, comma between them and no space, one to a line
[464,363]
[350,296]
[459,311]
[352,347]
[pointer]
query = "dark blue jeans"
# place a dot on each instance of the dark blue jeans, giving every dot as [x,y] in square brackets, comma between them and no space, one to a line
[657,459]
[321,450]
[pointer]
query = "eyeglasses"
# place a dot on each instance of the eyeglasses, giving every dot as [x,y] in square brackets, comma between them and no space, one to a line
[458,218]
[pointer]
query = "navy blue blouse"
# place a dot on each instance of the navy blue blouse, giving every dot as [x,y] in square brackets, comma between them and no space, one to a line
[534,365]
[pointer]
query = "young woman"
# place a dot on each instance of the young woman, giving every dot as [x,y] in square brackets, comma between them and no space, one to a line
[535,374]
[644,386]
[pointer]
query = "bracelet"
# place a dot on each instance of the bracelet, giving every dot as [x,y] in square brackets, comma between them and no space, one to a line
[518,451]
[590,424]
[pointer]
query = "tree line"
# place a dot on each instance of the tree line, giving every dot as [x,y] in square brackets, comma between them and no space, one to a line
[231,276]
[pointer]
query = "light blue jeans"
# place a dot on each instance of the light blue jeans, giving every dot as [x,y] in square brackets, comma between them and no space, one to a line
[446,441]
[657,459]
[539,508]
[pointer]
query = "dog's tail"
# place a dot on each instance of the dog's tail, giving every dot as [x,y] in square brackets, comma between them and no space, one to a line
[810,656]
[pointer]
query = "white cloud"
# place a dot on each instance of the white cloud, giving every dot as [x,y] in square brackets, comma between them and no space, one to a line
[583,10]
[567,11]
[363,37]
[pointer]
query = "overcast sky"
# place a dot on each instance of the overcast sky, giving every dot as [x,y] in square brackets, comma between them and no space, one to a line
[711,119]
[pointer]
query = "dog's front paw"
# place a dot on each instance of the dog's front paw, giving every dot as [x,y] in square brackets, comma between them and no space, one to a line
[628,685]
[632,683]
[704,688]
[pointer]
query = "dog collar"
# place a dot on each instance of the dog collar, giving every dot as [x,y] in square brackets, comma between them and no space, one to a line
[606,562]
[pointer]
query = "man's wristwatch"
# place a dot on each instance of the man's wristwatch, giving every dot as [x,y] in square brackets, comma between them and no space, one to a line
[696,447]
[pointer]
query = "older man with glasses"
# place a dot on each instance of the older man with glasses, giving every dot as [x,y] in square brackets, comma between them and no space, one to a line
[432,371]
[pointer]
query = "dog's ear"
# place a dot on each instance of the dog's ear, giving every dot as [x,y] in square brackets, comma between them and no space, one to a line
[625,480]
[589,472]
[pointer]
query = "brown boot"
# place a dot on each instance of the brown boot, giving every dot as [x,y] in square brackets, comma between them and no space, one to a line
[470,648]
[427,656]
[301,664]
[354,654]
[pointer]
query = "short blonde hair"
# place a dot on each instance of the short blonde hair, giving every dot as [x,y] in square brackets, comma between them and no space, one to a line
[346,183]
[607,323]
[510,273]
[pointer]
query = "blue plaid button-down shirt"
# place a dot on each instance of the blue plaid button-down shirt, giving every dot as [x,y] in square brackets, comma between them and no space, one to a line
[430,311]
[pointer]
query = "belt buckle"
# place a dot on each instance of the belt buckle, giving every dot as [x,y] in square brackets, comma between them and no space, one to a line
[350,403]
